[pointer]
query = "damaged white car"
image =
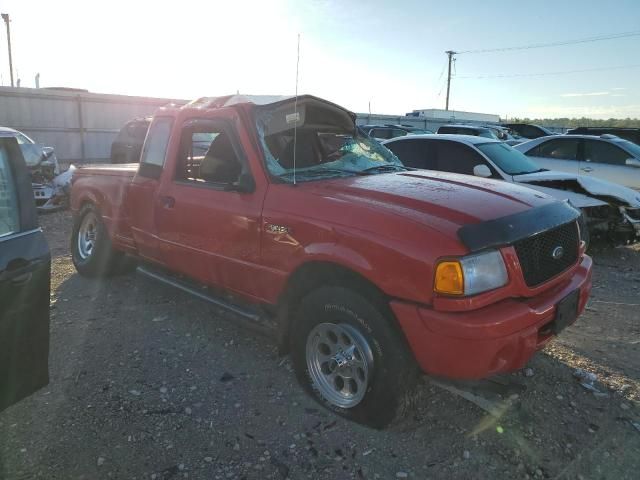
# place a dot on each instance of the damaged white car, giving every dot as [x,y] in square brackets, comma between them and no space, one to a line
[50,187]
[611,212]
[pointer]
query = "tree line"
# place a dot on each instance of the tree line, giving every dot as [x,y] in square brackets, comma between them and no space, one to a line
[580,122]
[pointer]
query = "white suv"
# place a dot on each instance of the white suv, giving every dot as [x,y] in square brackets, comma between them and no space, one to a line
[606,157]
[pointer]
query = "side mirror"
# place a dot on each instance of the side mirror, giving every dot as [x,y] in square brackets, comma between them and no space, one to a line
[47,152]
[245,184]
[482,171]
[632,162]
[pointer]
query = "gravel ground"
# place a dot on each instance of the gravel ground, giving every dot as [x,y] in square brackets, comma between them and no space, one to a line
[147,382]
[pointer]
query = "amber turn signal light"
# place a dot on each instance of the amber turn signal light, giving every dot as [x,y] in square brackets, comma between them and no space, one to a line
[449,278]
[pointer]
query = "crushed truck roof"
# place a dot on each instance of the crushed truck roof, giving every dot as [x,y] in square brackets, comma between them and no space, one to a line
[227,100]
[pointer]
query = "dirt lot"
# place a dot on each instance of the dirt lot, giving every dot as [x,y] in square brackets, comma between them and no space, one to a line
[147,382]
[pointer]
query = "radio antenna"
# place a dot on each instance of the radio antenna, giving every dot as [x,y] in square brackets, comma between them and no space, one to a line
[295,115]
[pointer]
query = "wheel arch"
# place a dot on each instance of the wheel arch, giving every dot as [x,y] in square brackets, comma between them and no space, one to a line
[315,274]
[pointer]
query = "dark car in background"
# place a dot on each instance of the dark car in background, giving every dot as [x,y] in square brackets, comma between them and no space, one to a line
[495,132]
[528,130]
[385,132]
[475,131]
[25,266]
[127,146]
[631,134]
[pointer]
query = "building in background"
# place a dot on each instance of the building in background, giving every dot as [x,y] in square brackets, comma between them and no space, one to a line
[454,116]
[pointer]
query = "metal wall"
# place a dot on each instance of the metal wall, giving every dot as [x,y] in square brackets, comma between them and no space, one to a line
[80,126]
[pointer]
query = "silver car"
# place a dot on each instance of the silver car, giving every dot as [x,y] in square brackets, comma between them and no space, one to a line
[43,167]
[606,157]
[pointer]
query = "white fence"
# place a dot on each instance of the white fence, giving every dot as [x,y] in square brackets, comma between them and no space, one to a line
[80,126]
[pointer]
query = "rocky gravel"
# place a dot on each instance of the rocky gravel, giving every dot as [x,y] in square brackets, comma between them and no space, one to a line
[149,383]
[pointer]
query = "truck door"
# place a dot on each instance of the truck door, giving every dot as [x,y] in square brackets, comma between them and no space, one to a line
[142,195]
[25,266]
[209,218]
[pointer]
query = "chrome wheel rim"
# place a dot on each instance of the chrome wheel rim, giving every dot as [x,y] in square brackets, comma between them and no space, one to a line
[340,363]
[87,235]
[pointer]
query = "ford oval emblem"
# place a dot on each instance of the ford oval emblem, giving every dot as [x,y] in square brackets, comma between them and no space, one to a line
[557,253]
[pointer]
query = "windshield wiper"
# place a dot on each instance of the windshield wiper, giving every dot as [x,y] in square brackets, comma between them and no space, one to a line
[383,168]
[532,171]
[329,171]
[318,172]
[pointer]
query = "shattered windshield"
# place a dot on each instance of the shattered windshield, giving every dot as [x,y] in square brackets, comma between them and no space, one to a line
[320,149]
[32,153]
[508,159]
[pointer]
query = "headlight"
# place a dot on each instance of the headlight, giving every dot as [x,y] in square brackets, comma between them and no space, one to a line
[471,275]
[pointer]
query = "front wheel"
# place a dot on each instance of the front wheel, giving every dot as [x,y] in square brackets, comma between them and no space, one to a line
[351,358]
[585,234]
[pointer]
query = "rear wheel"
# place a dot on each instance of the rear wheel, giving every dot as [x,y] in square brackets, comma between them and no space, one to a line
[351,358]
[91,250]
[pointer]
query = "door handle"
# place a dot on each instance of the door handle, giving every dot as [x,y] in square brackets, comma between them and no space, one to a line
[22,279]
[18,271]
[587,169]
[167,202]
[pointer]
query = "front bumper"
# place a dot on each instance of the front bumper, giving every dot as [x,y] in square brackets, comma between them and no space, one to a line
[498,338]
[42,193]
[49,198]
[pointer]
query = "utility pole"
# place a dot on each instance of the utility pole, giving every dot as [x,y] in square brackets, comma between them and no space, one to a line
[5,17]
[450,54]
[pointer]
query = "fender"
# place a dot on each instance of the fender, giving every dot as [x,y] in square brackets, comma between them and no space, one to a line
[86,191]
[338,254]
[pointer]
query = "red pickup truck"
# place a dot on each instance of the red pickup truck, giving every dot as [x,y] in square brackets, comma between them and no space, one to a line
[368,272]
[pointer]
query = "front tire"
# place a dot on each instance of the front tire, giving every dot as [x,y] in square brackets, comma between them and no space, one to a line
[349,356]
[585,234]
[91,250]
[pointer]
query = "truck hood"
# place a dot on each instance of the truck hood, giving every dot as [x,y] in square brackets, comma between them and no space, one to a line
[582,191]
[443,201]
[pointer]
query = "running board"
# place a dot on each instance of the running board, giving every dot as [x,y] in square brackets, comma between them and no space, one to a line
[251,315]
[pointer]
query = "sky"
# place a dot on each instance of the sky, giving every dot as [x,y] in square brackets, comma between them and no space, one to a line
[386,56]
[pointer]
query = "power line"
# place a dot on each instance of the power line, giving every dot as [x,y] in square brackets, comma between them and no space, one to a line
[596,38]
[441,72]
[564,72]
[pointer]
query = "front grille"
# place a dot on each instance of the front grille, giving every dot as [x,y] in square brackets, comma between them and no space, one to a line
[536,253]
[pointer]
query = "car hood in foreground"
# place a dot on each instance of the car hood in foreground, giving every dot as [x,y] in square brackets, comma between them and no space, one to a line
[437,200]
[582,191]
